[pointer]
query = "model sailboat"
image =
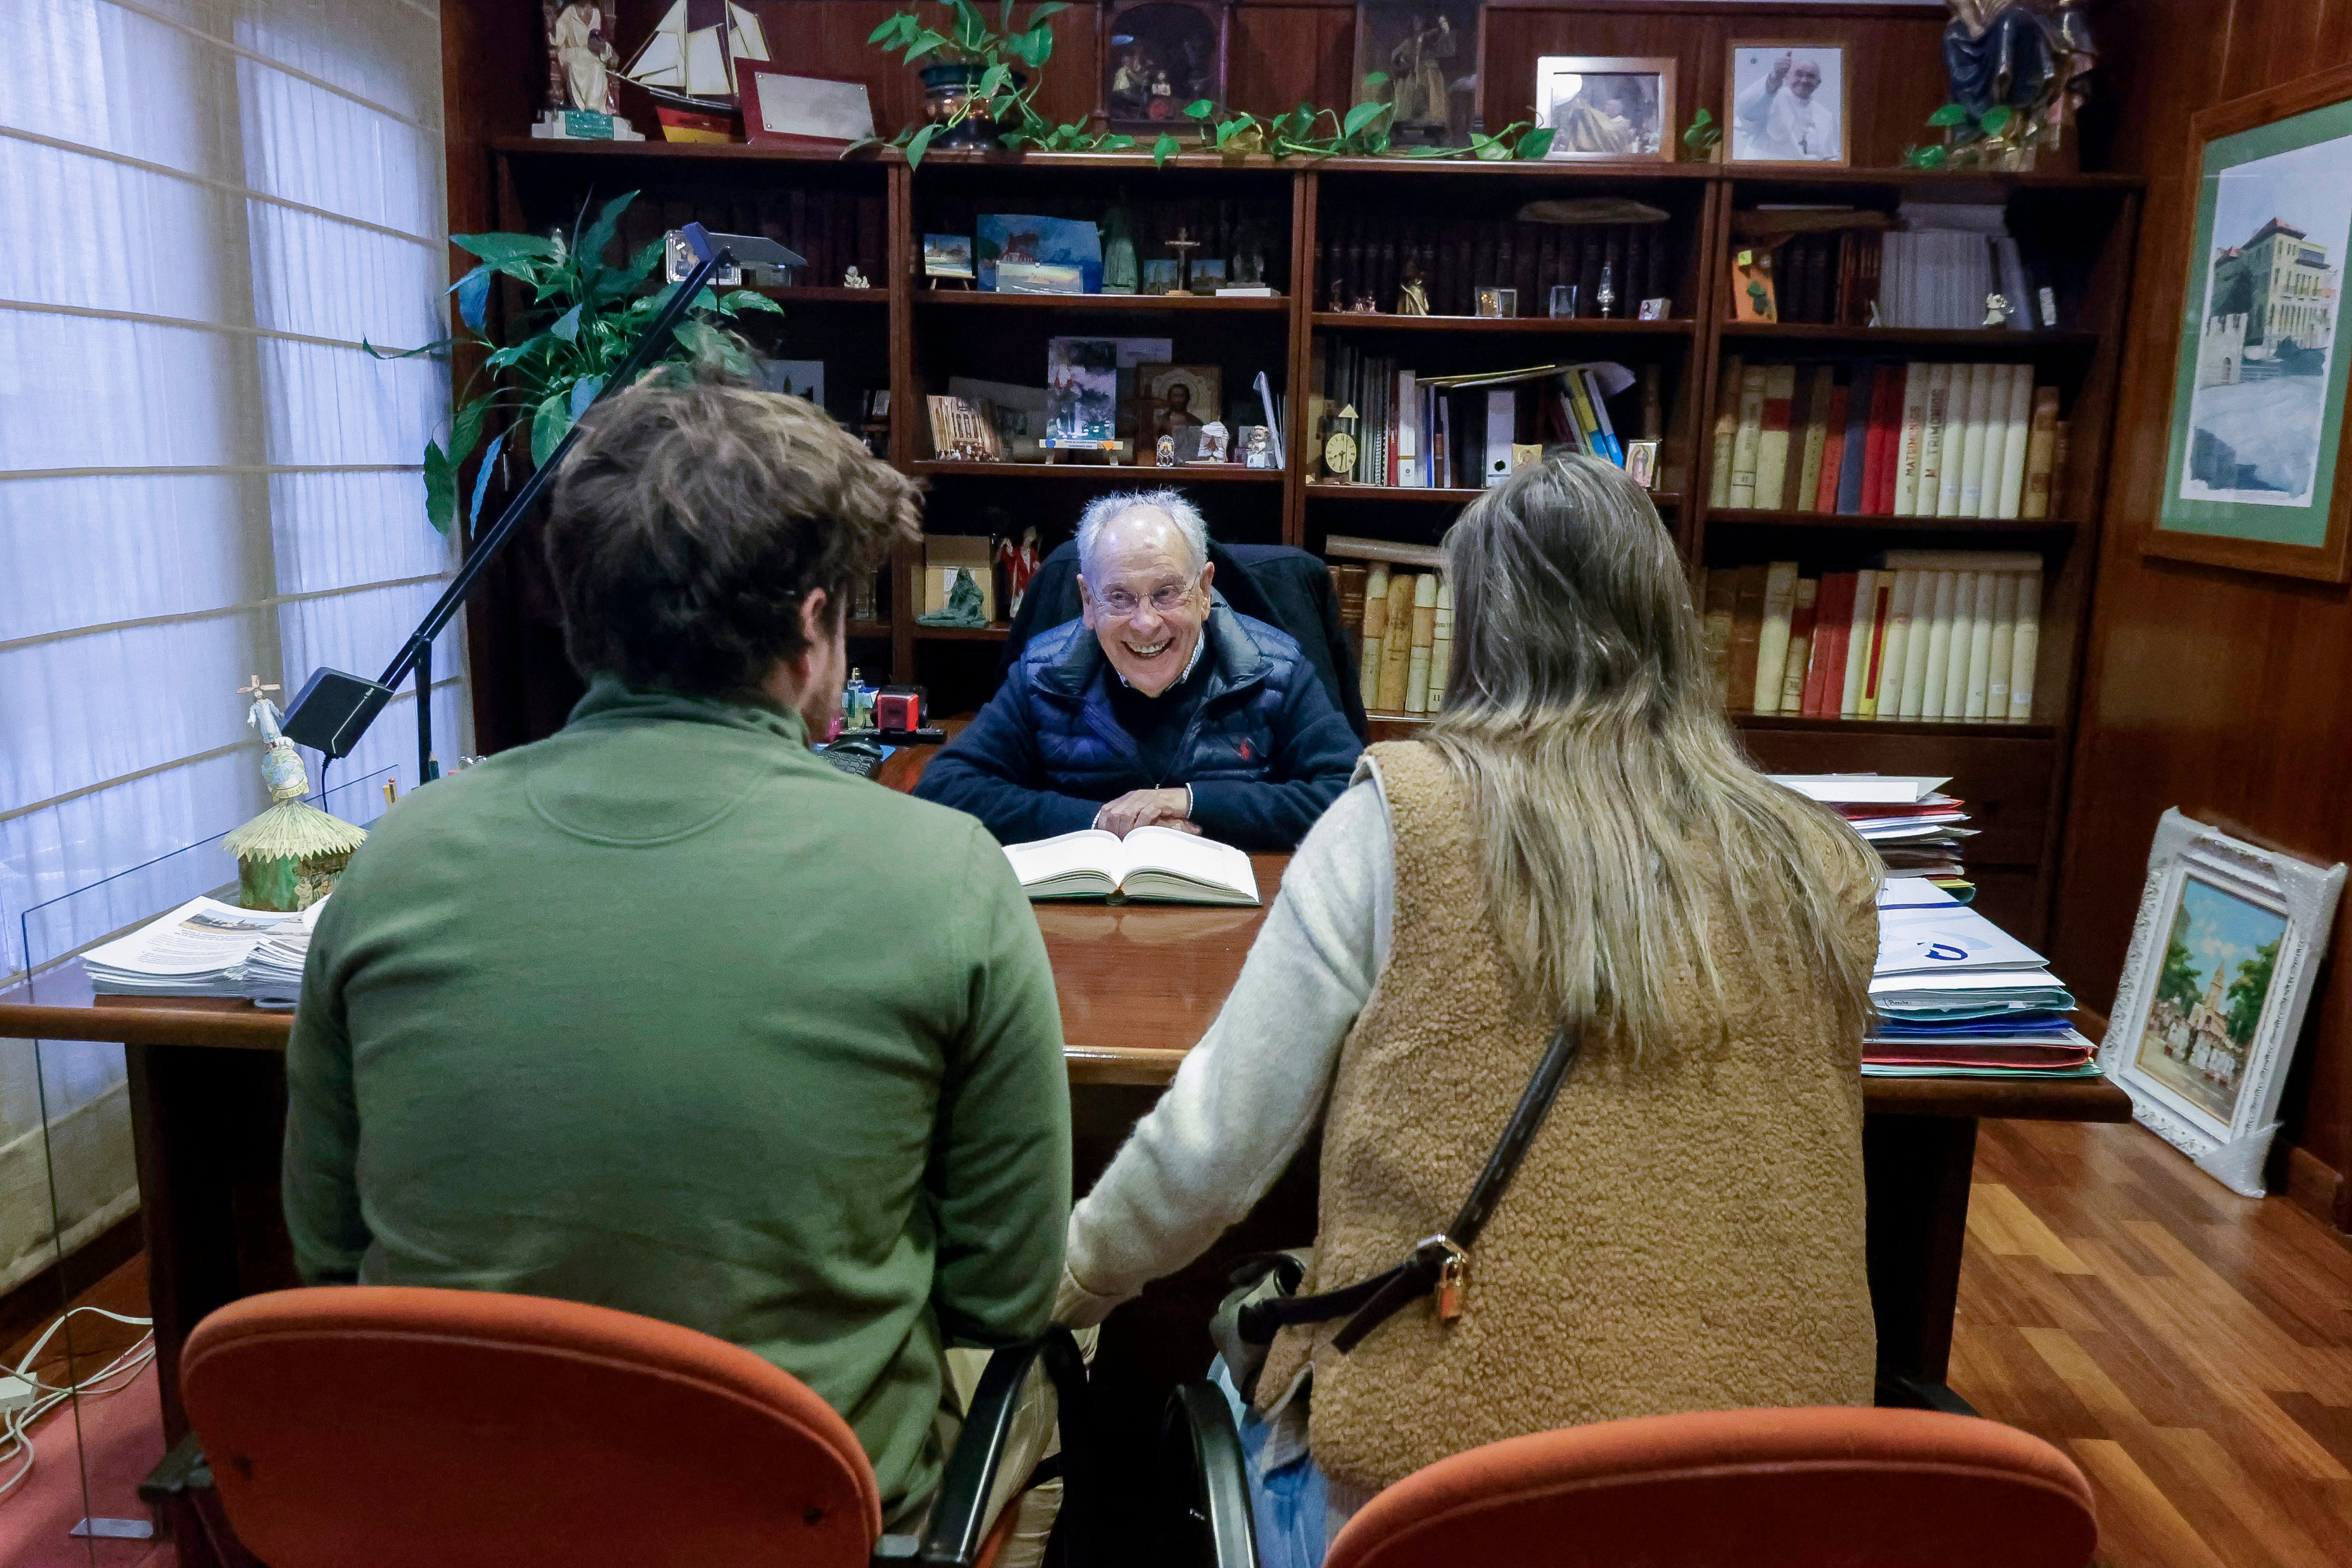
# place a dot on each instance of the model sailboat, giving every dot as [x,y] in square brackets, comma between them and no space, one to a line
[688,66]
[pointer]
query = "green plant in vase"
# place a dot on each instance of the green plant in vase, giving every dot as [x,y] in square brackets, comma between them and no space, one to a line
[983,79]
[585,315]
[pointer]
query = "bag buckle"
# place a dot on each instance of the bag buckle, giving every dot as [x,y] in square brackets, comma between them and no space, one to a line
[1453,1274]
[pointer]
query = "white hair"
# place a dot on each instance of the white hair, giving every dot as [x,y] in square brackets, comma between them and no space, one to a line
[1170,503]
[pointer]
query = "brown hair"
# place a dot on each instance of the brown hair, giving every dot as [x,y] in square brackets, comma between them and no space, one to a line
[694,517]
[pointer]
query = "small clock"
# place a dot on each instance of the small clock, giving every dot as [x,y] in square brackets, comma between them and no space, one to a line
[1339,452]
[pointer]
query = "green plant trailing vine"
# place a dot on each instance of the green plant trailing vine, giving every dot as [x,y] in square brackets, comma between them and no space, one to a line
[1012,71]
[1971,150]
[583,317]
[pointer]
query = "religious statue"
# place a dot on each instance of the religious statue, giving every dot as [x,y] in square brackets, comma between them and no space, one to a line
[1365,305]
[1163,452]
[854,278]
[1414,299]
[1338,296]
[582,64]
[1996,311]
[2032,56]
[1417,75]
[289,856]
[1119,276]
[1020,563]
[1257,452]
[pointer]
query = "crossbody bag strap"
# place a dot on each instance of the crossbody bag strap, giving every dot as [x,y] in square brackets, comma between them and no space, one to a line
[1369,1303]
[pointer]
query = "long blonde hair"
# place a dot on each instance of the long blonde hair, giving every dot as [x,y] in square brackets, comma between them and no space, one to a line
[1621,829]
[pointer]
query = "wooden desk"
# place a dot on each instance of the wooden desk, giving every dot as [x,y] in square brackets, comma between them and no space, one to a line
[1137,984]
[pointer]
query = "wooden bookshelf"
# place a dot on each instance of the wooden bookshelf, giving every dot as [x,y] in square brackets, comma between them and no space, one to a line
[911,337]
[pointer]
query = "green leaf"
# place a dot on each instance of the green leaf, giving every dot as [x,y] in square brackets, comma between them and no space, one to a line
[590,252]
[482,479]
[1200,109]
[465,429]
[971,29]
[1164,149]
[889,29]
[548,424]
[1363,115]
[1534,144]
[1047,9]
[925,45]
[440,488]
[512,353]
[567,325]
[992,81]
[1998,115]
[1950,114]
[430,351]
[1228,129]
[1376,78]
[1040,45]
[861,145]
[1115,143]
[473,291]
[920,143]
[499,249]
[1701,119]
[751,300]
[583,393]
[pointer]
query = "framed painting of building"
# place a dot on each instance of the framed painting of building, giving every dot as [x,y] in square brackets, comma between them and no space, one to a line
[2223,960]
[2253,475]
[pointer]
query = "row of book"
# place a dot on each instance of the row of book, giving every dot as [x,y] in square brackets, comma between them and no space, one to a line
[1921,276]
[1891,439]
[1414,433]
[1400,625]
[1930,634]
[1366,254]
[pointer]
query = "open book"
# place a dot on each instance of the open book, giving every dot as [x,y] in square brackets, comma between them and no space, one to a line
[1164,863]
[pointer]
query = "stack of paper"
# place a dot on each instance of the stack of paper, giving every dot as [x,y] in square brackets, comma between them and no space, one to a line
[1917,830]
[273,969]
[197,949]
[1954,995]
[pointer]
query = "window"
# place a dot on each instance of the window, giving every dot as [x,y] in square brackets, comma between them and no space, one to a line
[203,476]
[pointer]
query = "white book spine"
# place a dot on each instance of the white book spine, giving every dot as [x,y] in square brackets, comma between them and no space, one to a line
[1956,442]
[2018,427]
[1857,645]
[1897,650]
[1977,692]
[1749,435]
[1441,647]
[2004,642]
[1964,620]
[1928,496]
[1933,675]
[2024,646]
[1972,440]
[1772,637]
[1801,648]
[1912,439]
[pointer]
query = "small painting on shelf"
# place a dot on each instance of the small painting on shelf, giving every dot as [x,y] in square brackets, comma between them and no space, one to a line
[2254,477]
[1428,50]
[1607,105]
[1159,56]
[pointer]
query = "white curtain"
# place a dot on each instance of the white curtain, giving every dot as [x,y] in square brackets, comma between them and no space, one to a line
[205,207]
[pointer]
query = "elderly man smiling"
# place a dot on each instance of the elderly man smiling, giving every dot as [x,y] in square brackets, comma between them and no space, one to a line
[1161,707]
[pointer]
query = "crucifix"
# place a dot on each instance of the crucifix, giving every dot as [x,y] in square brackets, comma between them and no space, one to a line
[1183,245]
[264,715]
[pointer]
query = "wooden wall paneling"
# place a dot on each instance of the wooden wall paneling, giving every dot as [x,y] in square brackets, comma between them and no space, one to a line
[2204,687]
[1280,55]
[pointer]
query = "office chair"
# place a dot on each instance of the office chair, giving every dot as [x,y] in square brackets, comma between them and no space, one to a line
[1761,1488]
[384,1427]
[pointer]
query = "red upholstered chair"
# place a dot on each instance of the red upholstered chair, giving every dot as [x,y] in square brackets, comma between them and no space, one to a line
[375,1427]
[1760,1488]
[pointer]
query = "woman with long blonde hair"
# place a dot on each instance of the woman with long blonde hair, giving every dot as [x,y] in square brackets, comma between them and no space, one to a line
[1577,845]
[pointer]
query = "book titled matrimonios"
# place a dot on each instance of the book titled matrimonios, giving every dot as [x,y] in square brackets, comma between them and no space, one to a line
[1164,864]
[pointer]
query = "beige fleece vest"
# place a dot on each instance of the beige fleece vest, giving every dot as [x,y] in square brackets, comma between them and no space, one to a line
[1683,1235]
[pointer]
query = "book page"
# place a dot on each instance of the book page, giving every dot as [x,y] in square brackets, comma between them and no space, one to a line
[1089,849]
[203,936]
[1190,856]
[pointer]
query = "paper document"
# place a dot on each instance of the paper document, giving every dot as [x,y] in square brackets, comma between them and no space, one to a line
[1164,864]
[197,949]
[1861,789]
[1914,893]
[1933,942]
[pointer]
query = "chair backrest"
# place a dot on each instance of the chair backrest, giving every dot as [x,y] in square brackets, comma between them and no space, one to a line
[1762,1488]
[368,1427]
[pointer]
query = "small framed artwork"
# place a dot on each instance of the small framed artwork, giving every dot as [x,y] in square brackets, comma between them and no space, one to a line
[1159,275]
[1607,105]
[1159,56]
[2254,478]
[794,108]
[1787,101]
[1176,401]
[1428,50]
[2223,960]
[1496,303]
[947,256]
[1208,275]
[1642,463]
[1657,309]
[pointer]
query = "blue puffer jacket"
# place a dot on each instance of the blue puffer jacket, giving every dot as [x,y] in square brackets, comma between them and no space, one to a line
[1267,751]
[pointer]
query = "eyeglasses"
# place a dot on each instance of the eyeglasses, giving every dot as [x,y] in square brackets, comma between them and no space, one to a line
[1164,601]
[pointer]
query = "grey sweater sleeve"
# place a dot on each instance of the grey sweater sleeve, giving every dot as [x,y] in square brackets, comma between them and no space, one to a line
[1254,1087]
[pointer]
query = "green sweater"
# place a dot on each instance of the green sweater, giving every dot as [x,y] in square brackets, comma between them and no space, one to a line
[667,1014]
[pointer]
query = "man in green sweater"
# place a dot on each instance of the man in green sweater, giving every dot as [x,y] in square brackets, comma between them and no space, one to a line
[667,1014]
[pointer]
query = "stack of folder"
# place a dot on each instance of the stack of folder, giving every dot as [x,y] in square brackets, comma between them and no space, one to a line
[1953,995]
[1917,830]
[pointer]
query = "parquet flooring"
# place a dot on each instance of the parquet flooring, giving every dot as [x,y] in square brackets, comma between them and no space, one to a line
[2191,1349]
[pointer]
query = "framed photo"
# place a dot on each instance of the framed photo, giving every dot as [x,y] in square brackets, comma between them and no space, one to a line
[2222,962]
[1017,253]
[1497,303]
[947,256]
[794,108]
[1159,275]
[2253,477]
[1159,56]
[1177,400]
[1607,105]
[1786,101]
[1428,49]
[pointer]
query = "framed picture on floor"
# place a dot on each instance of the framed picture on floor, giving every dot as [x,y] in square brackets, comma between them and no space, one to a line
[1607,105]
[1786,101]
[2223,960]
[2254,472]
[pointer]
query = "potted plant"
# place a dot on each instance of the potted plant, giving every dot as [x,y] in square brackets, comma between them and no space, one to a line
[975,87]
[585,315]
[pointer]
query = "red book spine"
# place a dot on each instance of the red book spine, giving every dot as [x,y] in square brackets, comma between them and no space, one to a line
[1886,434]
[1833,454]
[1832,610]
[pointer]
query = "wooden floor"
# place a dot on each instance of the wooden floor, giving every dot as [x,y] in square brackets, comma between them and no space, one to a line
[2192,1349]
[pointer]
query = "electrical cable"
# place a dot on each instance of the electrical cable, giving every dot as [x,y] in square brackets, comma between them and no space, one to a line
[17,1426]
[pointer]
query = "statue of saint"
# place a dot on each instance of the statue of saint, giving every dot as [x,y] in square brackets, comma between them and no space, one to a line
[1413,298]
[585,61]
[2033,56]
[1417,73]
